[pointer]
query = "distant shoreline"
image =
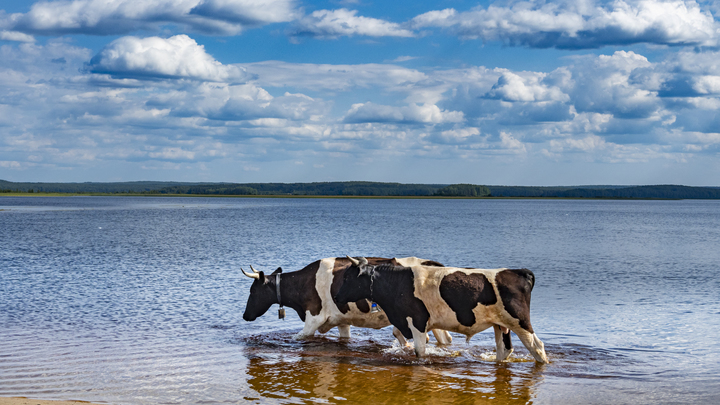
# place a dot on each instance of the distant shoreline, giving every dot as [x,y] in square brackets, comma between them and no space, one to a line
[360,189]
[342,197]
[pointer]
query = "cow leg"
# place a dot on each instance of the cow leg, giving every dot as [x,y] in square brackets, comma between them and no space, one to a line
[312,323]
[533,344]
[399,336]
[442,336]
[419,338]
[344,331]
[503,345]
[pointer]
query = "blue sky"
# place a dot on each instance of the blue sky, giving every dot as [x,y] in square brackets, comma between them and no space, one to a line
[508,92]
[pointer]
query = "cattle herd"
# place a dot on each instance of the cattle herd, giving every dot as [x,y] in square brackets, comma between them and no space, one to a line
[416,296]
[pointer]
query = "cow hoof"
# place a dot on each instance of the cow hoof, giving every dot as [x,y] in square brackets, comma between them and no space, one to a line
[500,357]
[300,336]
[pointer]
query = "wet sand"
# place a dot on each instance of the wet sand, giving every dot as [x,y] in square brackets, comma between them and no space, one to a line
[28,401]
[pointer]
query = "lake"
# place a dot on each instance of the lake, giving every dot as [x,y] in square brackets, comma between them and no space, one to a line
[139,300]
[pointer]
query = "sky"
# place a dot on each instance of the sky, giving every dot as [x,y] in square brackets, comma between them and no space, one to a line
[532,92]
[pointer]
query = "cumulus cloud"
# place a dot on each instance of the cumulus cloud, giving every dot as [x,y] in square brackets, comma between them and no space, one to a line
[513,87]
[118,17]
[577,25]
[234,103]
[16,36]
[176,57]
[613,84]
[330,24]
[694,74]
[413,113]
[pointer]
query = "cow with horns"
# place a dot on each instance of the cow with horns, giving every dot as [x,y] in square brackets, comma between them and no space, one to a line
[310,293]
[417,298]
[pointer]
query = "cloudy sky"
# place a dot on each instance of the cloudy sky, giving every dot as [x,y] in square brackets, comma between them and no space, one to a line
[500,92]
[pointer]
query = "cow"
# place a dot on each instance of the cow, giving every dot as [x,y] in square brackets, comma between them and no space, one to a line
[418,298]
[309,292]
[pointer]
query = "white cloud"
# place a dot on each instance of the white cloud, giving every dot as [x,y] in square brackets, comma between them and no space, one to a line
[529,87]
[16,36]
[608,84]
[247,12]
[509,142]
[332,24]
[401,59]
[117,17]
[413,113]
[9,164]
[456,136]
[175,57]
[707,85]
[586,24]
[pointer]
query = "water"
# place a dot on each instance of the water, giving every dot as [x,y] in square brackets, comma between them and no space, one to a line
[139,300]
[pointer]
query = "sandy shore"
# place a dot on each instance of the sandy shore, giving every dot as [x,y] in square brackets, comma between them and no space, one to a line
[27,401]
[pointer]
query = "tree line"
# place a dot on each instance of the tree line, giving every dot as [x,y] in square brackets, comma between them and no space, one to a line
[370,189]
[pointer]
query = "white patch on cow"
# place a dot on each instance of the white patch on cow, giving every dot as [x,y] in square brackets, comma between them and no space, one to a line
[312,323]
[344,331]
[410,261]
[442,336]
[419,338]
[502,352]
[400,338]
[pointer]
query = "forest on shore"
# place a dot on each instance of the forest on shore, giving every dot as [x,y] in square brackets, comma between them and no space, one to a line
[365,188]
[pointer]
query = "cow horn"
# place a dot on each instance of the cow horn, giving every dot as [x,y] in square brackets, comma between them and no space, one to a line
[353,260]
[256,276]
[253,269]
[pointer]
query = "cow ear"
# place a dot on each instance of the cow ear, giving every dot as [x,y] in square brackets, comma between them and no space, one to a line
[277,271]
[363,271]
[262,278]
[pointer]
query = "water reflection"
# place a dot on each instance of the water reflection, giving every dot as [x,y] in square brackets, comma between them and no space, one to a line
[313,374]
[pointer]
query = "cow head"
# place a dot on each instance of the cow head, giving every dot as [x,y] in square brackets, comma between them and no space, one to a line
[262,294]
[356,283]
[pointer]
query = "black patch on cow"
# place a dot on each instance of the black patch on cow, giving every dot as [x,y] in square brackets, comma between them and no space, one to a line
[298,290]
[463,292]
[393,288]
[431,263]
[342,264]
[515,287]
[394,291]
[363,305]
[506,341]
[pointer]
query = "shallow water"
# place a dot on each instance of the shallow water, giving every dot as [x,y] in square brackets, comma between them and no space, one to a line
[139,300]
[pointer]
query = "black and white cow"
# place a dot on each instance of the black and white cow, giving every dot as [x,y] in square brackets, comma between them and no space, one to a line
[310,293]
[418,298]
